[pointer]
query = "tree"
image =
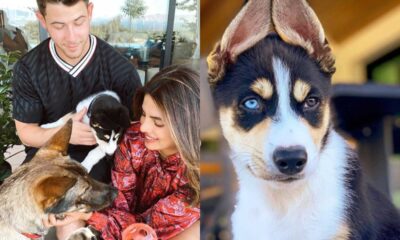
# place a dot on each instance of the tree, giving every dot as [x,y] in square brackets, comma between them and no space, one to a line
[189,5]
[134,9]
[192,24]
[105,30]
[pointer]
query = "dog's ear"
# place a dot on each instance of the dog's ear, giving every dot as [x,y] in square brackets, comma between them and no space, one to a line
[296,23]
[250,25]
[57,144]
[50,191]
[123,119]
[115,118]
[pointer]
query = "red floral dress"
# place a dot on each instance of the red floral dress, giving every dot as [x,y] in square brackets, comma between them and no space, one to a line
[151,190]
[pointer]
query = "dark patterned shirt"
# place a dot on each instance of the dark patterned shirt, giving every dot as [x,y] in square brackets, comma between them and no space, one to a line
[45,88]
[151,190]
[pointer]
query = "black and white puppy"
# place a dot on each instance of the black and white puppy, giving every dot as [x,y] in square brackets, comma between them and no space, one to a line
[298,178]
[108,119]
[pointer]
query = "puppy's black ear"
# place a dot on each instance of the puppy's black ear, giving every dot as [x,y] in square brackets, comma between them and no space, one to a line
[297,24]
[50,191]
[112,118]
[123,119]
[250,25]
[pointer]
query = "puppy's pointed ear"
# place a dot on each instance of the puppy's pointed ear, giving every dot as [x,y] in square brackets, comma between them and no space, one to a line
[58,143]
[49,192]
[124,120]
[297,24]
[250,25]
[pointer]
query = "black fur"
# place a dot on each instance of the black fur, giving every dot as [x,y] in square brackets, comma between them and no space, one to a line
[110,114]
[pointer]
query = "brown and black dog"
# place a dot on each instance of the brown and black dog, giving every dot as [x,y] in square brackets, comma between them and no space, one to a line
[52,183]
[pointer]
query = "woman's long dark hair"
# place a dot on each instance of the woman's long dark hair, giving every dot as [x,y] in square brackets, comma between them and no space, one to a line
[176,91]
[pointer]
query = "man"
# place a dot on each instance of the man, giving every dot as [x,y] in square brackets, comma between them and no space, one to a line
[71,65]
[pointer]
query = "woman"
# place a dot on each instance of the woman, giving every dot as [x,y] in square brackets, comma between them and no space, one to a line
[156,166]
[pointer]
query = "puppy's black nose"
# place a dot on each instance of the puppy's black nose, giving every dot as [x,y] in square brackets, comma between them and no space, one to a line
[290,160]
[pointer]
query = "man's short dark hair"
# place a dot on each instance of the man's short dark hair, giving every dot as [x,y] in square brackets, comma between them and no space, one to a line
[42,4]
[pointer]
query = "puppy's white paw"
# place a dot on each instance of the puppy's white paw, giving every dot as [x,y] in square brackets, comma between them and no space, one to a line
[82,234]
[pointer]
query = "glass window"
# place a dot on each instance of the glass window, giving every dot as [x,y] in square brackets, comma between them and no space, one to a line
[136,28]
[186,47]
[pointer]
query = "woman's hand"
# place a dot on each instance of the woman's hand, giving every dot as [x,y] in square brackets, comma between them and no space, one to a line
[51,220]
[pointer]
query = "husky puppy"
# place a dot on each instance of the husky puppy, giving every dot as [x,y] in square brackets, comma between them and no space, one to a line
[50,183]
[108,119]
[298,178]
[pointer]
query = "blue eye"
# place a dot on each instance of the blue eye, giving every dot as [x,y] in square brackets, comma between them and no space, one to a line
[251,104]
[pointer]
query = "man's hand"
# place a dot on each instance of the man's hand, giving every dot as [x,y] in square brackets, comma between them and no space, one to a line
[81,133]
[31,134]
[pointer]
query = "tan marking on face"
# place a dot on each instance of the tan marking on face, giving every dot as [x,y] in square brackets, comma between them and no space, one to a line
[231,132]
[343,232]
[317,134]
[247,143]
[263,87]
[301,90]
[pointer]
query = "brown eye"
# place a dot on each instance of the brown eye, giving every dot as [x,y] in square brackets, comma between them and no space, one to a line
[311,103]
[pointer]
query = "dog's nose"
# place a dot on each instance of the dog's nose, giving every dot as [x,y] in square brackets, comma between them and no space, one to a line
[290,160]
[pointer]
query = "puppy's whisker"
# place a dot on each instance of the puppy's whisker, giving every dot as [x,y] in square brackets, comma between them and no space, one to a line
[251,147]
